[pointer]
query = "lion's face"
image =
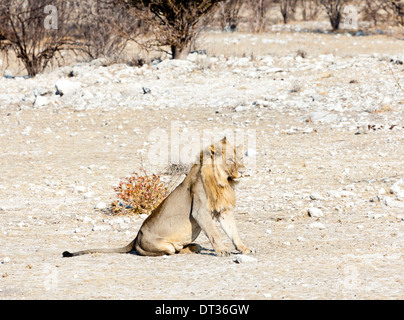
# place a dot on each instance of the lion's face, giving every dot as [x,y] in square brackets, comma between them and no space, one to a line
[225,162]
[233,163]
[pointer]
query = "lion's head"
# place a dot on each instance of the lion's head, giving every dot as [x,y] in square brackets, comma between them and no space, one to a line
[221,167]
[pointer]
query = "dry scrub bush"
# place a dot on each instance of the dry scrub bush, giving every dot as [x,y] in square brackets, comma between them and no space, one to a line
[102,26]
[229,12]
[172,23]
[334,11]
[257,11]
[139,194]
[288,9]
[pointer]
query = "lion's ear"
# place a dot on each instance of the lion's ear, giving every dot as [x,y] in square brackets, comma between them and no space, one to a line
[224,140]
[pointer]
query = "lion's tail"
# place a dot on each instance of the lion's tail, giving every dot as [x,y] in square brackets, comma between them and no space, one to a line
[126,249]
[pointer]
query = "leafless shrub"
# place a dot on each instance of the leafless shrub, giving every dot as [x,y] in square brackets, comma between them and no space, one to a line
[99,31]
[334,9]
[257,10]
[378,11]
[173,23]
[301,53]
[36,31]
[288,8]
[310,9]
[399,10]
[229,14]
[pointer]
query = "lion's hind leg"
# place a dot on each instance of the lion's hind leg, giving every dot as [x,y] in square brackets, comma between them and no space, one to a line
[154,248]
[190,248]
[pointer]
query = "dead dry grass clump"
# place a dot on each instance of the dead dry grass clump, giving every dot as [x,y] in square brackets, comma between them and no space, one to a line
[139,194]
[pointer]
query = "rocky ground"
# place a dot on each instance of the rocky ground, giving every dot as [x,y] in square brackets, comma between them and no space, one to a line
[323,205]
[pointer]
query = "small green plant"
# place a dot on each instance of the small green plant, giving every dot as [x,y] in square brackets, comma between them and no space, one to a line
[139,194]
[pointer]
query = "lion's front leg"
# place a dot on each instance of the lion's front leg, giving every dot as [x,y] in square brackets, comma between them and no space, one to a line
[204,219]
[228,224]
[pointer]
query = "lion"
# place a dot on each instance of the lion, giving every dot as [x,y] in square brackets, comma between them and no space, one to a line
[207,193]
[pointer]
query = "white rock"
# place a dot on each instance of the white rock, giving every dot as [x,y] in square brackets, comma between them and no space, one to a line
[251,153]
[316,196]
[68,88]
[176,64]
[378,215]
[347,194]
[398,189]
[315,212]
[41,101]
[6,260]
[390,202]
[26,131]
[322,116]
[197,57]
[100,228]
[268,60]
[79,189]
[88,195]
[87,220]
[242,258]
[327,57]
[100,205]
[317,225]
[118,220]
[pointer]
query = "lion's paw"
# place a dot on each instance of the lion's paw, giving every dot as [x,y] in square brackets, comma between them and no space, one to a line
[245,250]
[223,253]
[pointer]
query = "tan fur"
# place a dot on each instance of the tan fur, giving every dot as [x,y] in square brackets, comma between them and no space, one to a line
[220,196]
[207,192]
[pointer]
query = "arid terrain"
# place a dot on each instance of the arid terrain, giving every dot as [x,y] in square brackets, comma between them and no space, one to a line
[323,206]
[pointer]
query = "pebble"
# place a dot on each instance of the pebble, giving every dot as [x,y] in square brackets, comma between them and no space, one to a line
[398,189]
[100,205]
[242,258]
[79,189]
[41,101]
[67,88]
[100,228]
[88,195]
[316,196]
[315,212]
[317,225]
[251,153]
[6,260]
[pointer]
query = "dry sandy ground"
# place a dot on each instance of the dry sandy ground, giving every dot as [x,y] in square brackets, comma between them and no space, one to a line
[329,135]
